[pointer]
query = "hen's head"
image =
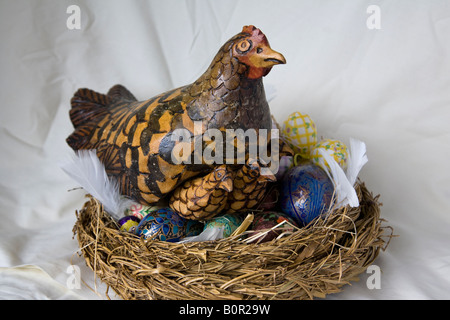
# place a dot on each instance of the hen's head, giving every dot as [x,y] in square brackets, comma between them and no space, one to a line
[252,48]
[221,176]
[252,169]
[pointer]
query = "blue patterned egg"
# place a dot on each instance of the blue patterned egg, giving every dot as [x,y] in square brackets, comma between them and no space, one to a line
[306,193]
[229,222]
[163,224]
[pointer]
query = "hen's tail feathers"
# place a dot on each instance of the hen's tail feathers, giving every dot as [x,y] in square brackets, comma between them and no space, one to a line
[119,92]
[88,108]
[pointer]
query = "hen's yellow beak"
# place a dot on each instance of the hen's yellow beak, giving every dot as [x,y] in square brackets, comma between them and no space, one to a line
[265,57]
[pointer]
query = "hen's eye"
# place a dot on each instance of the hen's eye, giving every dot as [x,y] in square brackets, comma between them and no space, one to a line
[243,46]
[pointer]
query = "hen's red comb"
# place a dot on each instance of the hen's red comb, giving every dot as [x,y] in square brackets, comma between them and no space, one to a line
[253,31]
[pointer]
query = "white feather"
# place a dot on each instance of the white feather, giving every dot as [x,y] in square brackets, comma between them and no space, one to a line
[356,160]
[344,191]
[344,182]
[85,168]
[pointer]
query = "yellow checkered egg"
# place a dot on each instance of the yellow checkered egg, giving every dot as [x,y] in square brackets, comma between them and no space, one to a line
[334,148]
[300,132]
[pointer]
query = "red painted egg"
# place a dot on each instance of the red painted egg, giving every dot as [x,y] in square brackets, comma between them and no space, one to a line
[267,220]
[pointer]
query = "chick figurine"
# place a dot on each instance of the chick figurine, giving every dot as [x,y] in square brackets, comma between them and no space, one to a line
[204,197]
[249,187]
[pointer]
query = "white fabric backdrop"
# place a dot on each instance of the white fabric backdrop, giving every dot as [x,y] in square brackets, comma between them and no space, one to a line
[389,87]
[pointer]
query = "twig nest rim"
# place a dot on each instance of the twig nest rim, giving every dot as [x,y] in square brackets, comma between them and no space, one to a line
[311,262]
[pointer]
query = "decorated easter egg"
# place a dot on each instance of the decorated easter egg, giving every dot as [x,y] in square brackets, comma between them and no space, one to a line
[163,224]
[306,193]
[335,148]
[267,220]
[140,211]
[128,223]
[229,222]
[300,132]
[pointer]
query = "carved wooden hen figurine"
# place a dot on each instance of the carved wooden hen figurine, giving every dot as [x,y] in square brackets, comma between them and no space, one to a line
[204,197]
[133,139]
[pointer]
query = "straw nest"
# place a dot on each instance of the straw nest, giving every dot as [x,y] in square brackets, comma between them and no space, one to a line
[311,262]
